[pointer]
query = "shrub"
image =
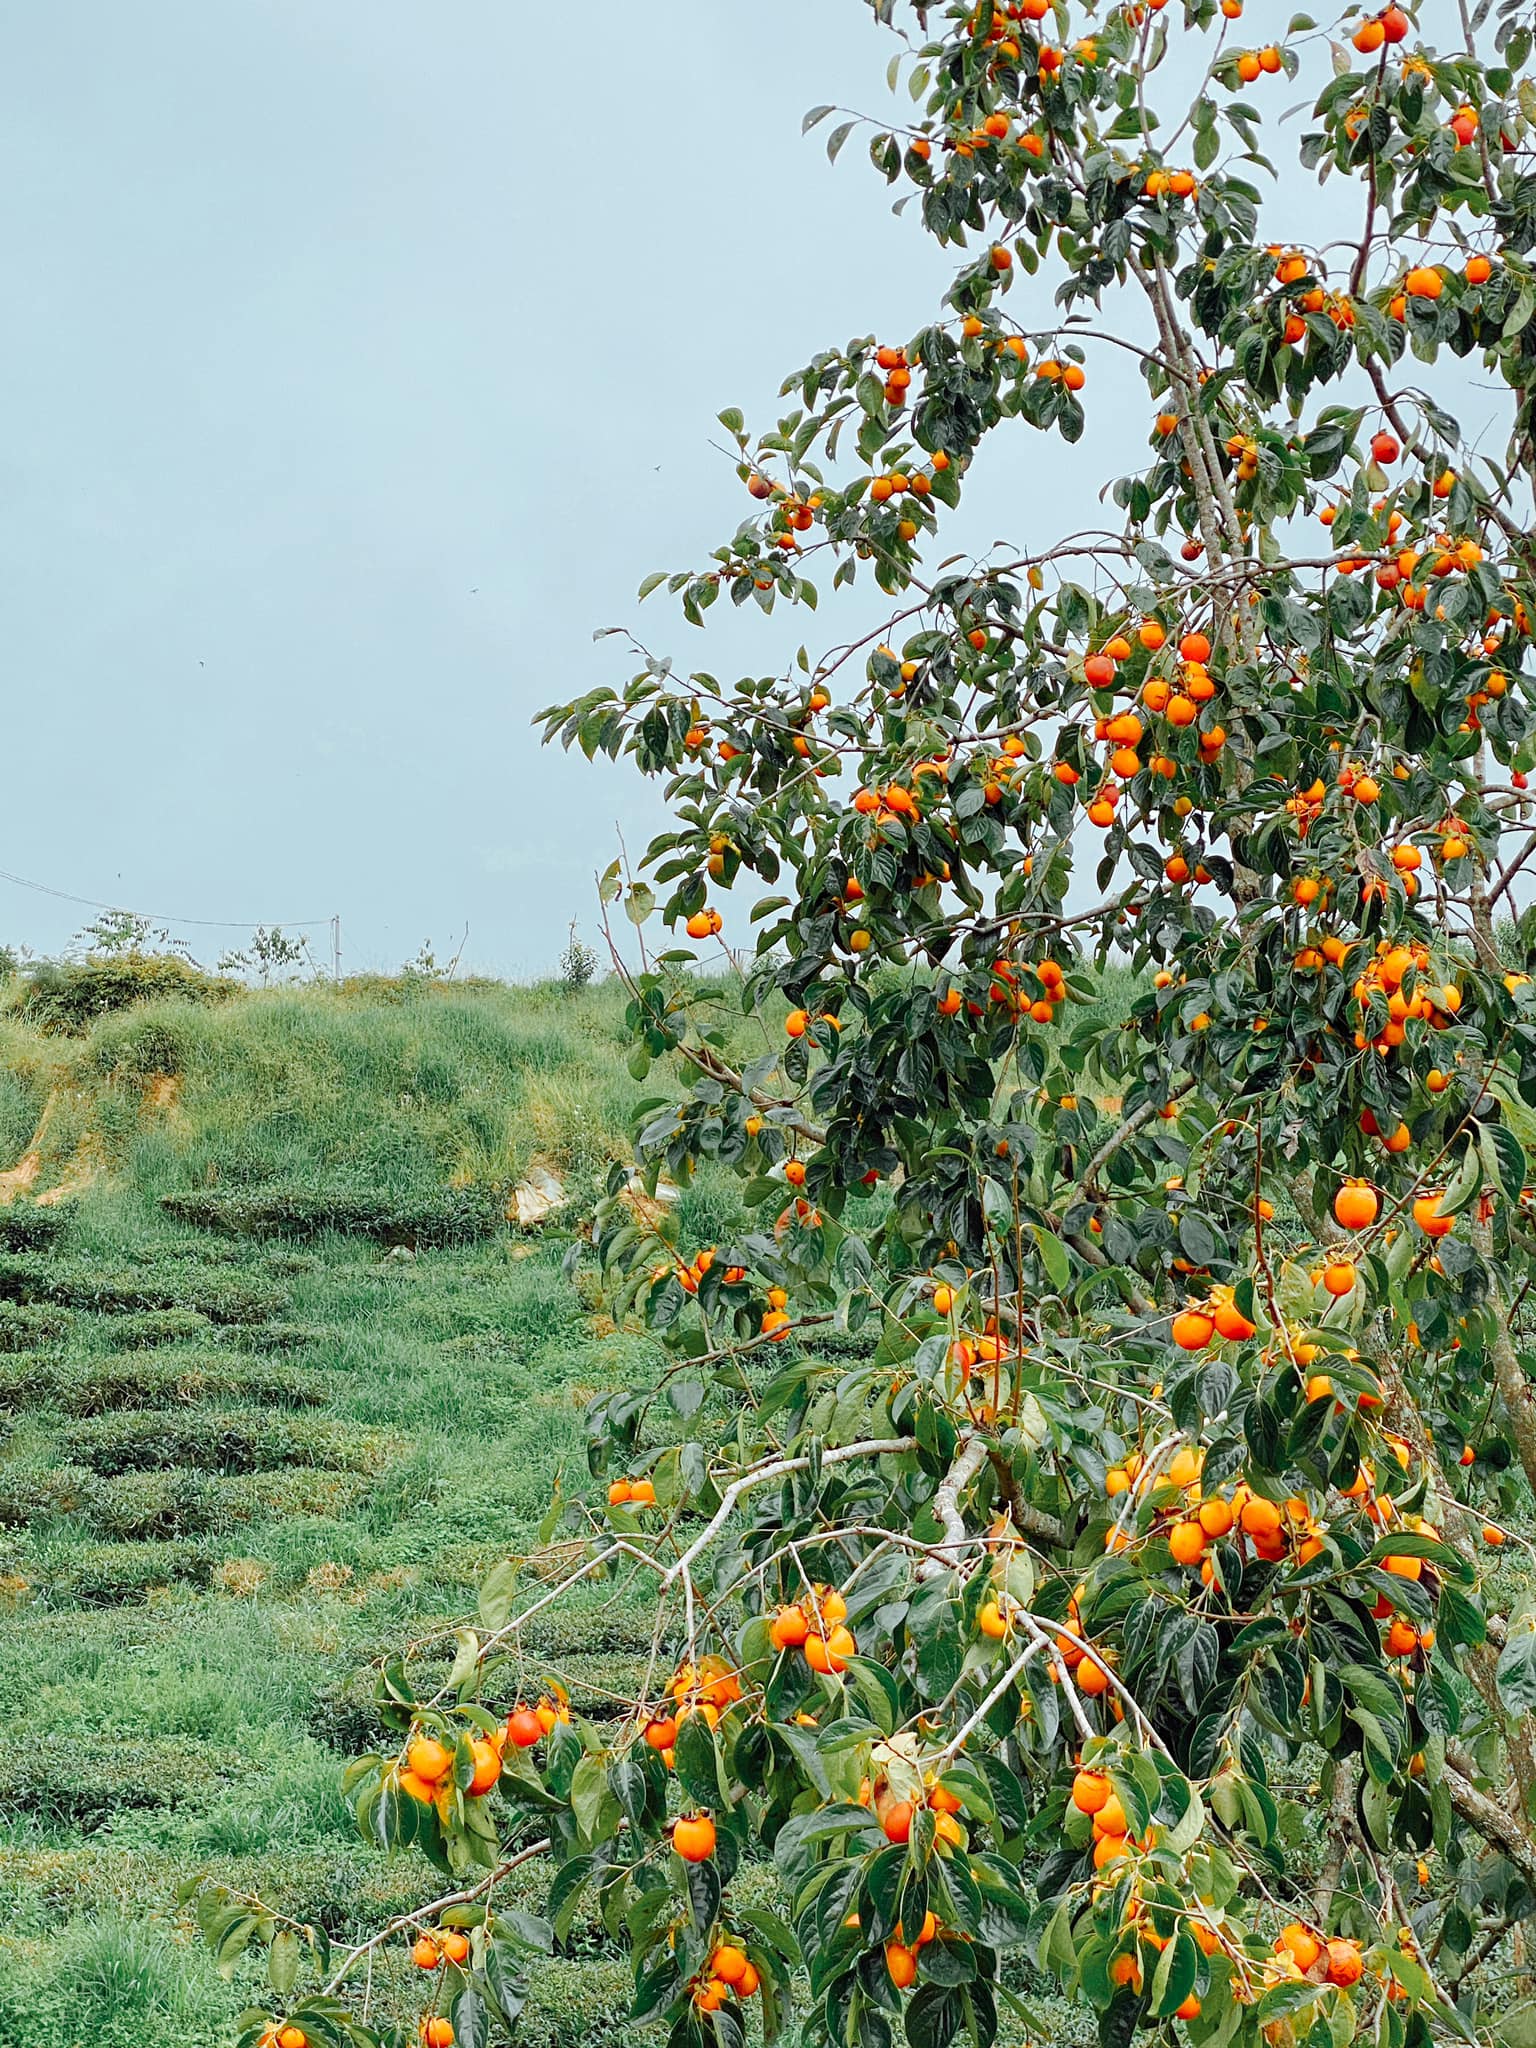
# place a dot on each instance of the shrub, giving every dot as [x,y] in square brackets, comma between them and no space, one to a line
[113,1574]
[26,1325]
[32,1490]
[319,1491]
[136,1507]
[578,964]
[93,1387]
[69,996]
[229,1441]
[441,1216]
[146,1506]
[27,1277]
[85,1784]
[143,1328]
[25,1227]
[573,2003]
[264,1338]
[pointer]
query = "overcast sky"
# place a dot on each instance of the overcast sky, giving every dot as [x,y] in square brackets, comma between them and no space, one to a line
[359,361]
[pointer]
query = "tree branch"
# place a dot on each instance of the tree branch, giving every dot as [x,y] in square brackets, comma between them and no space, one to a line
[1498,1828]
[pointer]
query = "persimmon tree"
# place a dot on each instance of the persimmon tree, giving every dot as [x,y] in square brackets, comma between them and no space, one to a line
[1075,1509]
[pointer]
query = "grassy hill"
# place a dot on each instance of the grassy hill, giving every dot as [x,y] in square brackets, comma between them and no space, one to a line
[241,1452]
[278,1382]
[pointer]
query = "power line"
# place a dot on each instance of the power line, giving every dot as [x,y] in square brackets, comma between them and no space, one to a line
[224,924]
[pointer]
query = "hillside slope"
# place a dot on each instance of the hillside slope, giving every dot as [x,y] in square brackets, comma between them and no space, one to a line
[234,1466]
[278,1382]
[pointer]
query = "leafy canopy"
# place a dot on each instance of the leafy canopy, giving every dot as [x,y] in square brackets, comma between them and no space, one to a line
[1075,1506]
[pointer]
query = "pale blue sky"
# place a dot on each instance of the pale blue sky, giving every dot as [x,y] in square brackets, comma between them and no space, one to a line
[359,360]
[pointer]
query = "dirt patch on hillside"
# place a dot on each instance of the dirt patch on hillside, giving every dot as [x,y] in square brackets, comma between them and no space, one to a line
[17,1179]
[88,1162]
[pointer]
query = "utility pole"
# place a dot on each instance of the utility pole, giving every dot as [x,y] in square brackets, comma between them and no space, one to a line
[336,946]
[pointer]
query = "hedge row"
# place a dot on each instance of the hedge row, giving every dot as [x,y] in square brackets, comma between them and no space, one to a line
[24,1326]
[66,1784]
[29,1277]
[265,1338]
[228,1441]
[140,1329]
[151,1507]
[139,1507]
[439,1216]
[113,1574]
[100,1387]
[26,1228]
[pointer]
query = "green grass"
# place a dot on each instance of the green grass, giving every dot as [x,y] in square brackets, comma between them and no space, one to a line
[239,1461]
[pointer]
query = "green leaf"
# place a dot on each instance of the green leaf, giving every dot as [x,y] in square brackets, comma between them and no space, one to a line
[697,1761]
[497,1591]
[466,1660]
[1517,1672]
[283,1959]
[570,1881]
[591,1801]
[1055,1257]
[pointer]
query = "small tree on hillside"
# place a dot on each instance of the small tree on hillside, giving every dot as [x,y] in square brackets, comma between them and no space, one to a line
[1126,1589]
[578,963]
[269,953]
[117,932]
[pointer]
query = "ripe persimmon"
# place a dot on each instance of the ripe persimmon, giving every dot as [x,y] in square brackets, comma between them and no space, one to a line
[897,1820]
[429,1759]
[1344,1963]
[900,1963]
[693,1837]
[1192,1329]
[523,1727]
[1091,1791]
[1356,1206]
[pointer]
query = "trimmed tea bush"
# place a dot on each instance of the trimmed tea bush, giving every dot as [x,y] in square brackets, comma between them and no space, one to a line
[143,1328]
[27,1228]
[88,1387]
[31,1491]
[27,1277]
[440,1216]
[26,1325]
[114,1574]
[232,1441]
[70,1784]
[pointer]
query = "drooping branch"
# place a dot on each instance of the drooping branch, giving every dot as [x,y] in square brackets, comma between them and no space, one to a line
[423,1916]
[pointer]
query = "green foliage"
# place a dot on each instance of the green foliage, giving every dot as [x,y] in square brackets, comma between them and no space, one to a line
[96,1386]
[186,1637]
[210,1440]
[26,1228]
[440,1216]
[29,1278]
[97,1574]
[144,1329]
[26,1325]
[1121,1590]
[70,996]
